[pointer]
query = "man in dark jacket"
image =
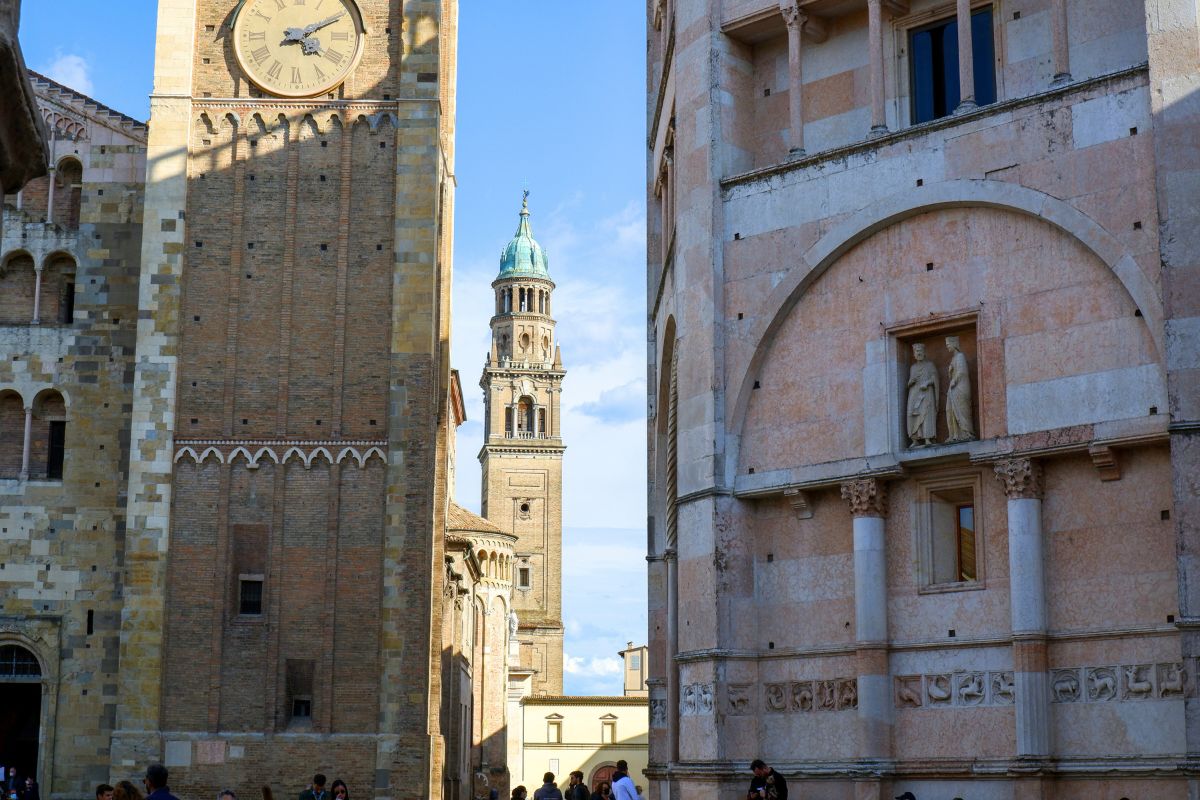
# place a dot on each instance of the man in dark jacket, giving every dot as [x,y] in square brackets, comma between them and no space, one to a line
[577,790]
[767,784]
[156,783]
[317,790]
[548,791]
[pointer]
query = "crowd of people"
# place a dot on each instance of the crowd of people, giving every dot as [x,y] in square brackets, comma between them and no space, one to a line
[619,787]
[155,783]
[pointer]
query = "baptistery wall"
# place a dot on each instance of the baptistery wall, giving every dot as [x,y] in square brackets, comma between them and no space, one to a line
[922,413]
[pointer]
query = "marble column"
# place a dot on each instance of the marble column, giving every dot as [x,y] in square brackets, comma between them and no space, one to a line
[27,443]
[868,503]
[1022,479]
[50,198]
[875,33]
[1062,50]
[37,296]
[966,59]
[672,561]
[795,27]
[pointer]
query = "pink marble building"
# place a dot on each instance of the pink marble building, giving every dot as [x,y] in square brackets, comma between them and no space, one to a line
[924,359]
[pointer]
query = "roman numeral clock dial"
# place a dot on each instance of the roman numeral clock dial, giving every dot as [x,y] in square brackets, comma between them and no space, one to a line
[298,48]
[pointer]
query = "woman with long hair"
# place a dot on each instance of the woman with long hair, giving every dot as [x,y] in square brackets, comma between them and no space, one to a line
[340,790]
[124,790]
[520,793]
[603,791]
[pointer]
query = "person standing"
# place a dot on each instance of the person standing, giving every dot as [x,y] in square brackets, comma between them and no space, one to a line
[622,784]
[156,783]
[548,791]
[767,783]
[577,791]
[520,793]
[104,792]
[603,791]
[317,790]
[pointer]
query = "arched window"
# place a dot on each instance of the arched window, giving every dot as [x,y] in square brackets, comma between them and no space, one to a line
[12,434]
[17,286]
[48,450]
[58,290]
[68,189]
[17,662]
[525,415]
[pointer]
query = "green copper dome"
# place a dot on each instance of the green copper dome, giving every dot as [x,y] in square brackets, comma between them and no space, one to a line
[524,257]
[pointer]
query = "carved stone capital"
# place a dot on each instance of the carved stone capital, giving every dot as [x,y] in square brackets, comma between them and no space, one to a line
[867,497]
[792,16]
[1022,478]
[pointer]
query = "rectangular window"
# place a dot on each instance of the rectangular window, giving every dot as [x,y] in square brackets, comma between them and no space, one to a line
[250,595]
[933,66]
[299,673]
[554,732]
[301,708]
[523,579]
[56,452]
[635,662]
[608,733]
[66,309]
[949,533]
[966,542]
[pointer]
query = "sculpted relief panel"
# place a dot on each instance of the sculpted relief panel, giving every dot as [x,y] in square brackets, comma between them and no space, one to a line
[1067,685]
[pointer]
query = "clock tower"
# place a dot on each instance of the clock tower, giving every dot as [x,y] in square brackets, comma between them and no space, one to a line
[523,449]
[284,560]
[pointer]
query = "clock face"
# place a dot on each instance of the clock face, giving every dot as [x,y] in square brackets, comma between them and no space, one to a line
[298,48]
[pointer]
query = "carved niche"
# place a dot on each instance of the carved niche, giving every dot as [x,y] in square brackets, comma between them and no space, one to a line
[939,384]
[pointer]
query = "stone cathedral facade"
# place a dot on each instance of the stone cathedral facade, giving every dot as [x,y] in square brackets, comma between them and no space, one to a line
[923,342]
[227,420]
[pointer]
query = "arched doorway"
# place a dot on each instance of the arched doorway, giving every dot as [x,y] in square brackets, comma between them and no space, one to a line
[20,709]
[602,774]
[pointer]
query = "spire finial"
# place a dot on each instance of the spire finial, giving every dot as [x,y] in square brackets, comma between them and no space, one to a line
[525,202]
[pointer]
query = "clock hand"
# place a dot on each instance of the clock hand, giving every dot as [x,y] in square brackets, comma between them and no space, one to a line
[316,26]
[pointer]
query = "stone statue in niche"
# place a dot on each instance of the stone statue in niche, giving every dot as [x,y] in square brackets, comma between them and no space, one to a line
[923,390]
[959,416]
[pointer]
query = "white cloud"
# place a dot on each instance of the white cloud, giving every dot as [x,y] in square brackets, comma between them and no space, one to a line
[70,70]
[591,667]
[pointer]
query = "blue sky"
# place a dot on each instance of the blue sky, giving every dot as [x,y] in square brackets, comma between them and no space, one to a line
[550,98]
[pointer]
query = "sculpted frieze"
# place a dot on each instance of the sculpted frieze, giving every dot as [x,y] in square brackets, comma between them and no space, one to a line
[954,690]
[804,697]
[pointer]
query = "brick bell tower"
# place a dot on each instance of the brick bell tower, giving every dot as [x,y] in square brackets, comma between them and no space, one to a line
[523,450]
[283,574]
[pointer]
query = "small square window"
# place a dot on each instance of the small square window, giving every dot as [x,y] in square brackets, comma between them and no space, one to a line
[301,708]
[523,578]
[250,595]
[950,533]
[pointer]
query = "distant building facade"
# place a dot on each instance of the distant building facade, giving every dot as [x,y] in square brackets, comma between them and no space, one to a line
[922,290]
[590,734]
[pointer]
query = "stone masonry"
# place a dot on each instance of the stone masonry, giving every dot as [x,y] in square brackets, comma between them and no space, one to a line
[870,605]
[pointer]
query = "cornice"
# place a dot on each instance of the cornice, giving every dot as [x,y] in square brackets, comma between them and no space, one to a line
[585,700]
[912,131]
